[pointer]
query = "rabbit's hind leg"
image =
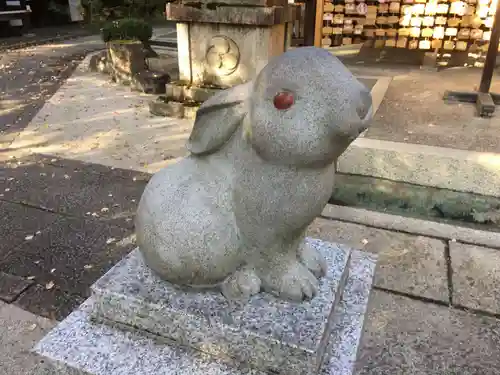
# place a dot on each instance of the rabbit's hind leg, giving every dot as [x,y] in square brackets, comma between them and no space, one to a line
[312,259]
[288,278]
[284,274]
[242,284]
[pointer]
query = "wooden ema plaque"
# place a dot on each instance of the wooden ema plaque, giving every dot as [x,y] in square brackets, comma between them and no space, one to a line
[412,24]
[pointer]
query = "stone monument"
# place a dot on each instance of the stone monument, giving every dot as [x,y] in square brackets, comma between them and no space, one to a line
[224,280]
[221,44]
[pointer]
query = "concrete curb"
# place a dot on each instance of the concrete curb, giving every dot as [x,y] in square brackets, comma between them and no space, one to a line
[412,226]
[378,91]
[460,170]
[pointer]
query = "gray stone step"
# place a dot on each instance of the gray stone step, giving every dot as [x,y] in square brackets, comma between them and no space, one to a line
[266,332]
[132,304]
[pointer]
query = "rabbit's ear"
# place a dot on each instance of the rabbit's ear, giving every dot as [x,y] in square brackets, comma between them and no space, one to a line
[218,118]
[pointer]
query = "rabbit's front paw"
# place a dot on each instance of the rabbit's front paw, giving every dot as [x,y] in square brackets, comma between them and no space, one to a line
[241,285]
[313,260]
[291,281]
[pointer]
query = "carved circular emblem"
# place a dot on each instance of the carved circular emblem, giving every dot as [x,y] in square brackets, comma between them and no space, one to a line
[223,55]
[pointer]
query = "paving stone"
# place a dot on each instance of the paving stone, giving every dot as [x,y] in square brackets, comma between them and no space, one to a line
[409,264]
[76,191]
[128,174]
[403,336]
[20,331]
[475,277]
[71,253]
[53,304]
[18,222]
[12,286]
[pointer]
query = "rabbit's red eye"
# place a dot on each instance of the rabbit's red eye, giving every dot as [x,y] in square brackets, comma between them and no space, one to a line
[283,100]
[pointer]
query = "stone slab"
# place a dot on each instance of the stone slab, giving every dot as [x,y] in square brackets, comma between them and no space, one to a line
[404,224]
[236,15]
[19,332]
[75,191]
[403,336]
[12,286]
[81,346]
[423,165]
[54,304]
[18,221]
[71,254]
[408,264]
[268,333]
[475,277]
[93,120]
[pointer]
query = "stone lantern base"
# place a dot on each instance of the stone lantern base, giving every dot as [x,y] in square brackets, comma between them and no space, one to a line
[222,45]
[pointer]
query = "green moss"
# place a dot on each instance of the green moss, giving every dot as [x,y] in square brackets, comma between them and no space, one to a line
[127,30]
[417,201]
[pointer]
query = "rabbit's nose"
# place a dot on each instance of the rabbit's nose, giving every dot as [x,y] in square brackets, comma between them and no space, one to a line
[365,105]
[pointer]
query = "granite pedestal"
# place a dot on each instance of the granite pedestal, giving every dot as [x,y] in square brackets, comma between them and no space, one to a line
[134,323]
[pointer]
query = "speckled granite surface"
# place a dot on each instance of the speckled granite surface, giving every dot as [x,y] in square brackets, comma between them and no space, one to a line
[268,333]
[89,347]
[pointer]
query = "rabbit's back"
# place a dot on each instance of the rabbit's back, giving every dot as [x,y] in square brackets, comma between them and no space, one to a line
[185,223]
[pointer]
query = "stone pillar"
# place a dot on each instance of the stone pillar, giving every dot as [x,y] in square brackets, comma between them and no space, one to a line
[222,45]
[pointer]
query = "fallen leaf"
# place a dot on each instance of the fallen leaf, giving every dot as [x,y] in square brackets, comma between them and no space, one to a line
[364,241]
[110,240]
[7,190]
[88,266]
[52,270]
[49,285]
[29,238]
[38,232]
[104,209]
[32,327]
[31,278]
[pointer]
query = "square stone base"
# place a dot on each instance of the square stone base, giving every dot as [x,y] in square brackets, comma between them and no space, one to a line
[225,55]
[113,344]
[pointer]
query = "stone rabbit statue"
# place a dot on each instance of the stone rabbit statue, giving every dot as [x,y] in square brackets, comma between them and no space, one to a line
[261,168]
